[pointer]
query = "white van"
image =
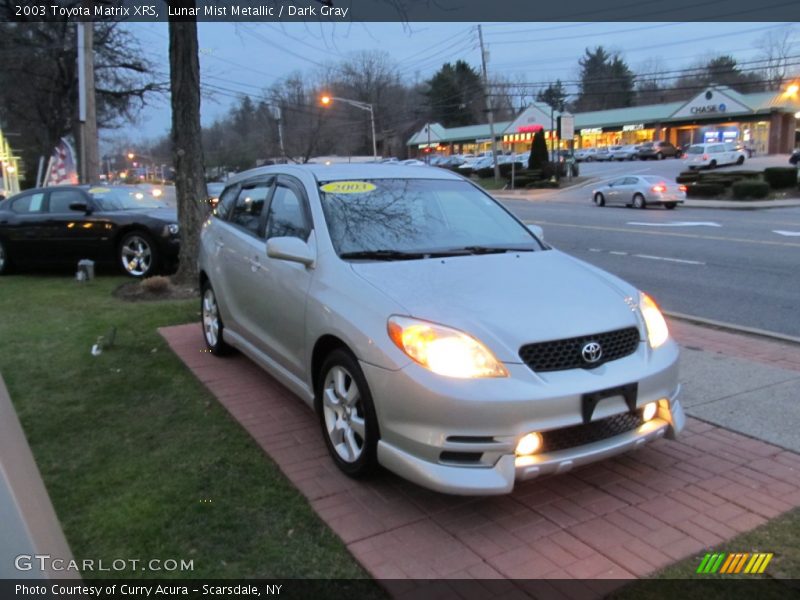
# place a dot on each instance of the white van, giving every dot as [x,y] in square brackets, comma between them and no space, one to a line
[713,155]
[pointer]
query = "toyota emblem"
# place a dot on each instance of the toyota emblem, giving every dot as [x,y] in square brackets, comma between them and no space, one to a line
[592,352]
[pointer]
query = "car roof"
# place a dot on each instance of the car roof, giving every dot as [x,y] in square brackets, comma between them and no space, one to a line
[342,172]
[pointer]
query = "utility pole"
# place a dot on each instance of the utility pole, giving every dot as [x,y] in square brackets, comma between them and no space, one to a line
[488,105]
[87,112]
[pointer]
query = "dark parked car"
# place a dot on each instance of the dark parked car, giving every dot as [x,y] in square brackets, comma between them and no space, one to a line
[795,157]
[657,150]
[108,224]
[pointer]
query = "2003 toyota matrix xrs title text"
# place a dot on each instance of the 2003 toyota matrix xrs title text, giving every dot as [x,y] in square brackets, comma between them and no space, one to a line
[433,332]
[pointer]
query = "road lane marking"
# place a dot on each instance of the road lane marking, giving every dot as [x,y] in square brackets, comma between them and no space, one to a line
[618,253]
[676,224]
[668,234]
[787,233]
[675,260]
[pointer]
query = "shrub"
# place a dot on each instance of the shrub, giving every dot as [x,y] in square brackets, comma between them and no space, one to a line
[749,190]
[742,174]
[780,177]
[156,285]
[704,190]
[539,153]
[686,178]
[484,172]
[719,180]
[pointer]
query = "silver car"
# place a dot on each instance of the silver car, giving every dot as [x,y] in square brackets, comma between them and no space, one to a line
[432,332]
[640,191]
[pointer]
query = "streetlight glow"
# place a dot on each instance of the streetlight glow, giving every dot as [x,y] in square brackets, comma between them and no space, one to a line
[131,155]
[326,100]
[792,89]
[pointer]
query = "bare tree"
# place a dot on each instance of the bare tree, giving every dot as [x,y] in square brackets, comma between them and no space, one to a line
[776,47]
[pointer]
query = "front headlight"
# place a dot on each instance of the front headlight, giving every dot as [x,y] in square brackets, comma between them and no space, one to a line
[657,331]
[171,229]
[443,350]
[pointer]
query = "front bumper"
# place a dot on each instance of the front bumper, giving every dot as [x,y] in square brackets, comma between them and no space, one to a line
[425,420]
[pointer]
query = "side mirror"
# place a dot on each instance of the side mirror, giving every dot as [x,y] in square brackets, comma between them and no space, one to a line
[80,207]
[291,249]
[536,230]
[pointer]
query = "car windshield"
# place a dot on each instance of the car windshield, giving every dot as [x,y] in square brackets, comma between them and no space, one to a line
[120,198]
[418,217]
[695,150]
[215,189]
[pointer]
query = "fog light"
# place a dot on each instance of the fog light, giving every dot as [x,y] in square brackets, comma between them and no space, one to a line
[649,411]
[529,444]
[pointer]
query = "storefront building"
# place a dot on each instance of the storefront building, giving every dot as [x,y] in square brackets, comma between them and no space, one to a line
[765,122]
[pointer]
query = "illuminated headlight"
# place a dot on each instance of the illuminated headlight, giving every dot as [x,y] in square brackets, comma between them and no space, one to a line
[657,332]
[649,411]
[156,192]
[171,229]
[443,350]
[529,444]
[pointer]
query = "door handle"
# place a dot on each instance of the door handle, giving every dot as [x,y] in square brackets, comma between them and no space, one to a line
[255,265]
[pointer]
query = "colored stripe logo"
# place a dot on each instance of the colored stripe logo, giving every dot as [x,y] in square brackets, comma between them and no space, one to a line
[735,562]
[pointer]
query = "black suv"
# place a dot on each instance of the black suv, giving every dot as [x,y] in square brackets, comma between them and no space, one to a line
[657,150]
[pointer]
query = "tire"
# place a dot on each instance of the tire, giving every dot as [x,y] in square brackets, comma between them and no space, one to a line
[213,329]
[670,205]
[5,261]
[138,254]
[659,156]
[740,160]
[347,415]
[599,200]
[639,201]
[712,164]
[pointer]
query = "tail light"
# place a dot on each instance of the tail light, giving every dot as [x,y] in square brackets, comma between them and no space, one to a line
[705,156]
[682,188]
[659,188]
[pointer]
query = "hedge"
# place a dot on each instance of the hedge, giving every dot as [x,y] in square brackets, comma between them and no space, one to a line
[719,180]
[704,190]
[780,177]
[747,190]
[686,178]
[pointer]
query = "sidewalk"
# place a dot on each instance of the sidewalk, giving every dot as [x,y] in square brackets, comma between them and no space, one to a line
[622,518]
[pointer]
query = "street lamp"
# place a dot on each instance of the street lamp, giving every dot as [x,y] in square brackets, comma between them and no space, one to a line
[327,100]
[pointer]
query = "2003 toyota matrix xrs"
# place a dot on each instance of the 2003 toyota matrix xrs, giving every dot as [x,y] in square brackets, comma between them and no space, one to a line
[433,332]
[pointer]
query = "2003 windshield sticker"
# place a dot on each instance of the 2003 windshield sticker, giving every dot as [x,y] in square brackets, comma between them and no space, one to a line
[348,187]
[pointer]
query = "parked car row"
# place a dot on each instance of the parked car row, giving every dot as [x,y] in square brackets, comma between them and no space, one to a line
[647,151]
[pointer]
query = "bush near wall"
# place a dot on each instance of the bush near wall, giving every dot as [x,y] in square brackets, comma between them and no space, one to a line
[691,178]
[780,177]
[704,190]
[750,190]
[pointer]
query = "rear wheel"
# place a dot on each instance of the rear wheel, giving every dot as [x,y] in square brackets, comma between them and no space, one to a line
[638,201]
[659,156]
[740,160]
[347,415]
[599,200]
[712,164]
[670,205]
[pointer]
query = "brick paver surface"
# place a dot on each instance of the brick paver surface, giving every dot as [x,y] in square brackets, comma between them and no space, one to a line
[621,518]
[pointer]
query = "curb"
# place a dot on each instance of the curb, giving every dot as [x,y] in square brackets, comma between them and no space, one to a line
[740,329]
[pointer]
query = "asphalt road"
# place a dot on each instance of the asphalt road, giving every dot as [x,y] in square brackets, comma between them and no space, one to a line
[736,266]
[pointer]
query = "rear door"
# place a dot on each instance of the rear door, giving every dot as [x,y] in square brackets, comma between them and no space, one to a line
[24,228]
[75,235]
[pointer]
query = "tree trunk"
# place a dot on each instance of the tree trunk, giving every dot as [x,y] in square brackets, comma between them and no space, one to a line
[187,146]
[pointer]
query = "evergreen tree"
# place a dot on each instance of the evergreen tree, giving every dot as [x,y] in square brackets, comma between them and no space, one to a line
[455,95]
[539,155]
[606,82]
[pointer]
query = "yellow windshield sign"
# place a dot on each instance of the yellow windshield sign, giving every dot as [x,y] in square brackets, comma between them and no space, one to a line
[347,187]
[99,190]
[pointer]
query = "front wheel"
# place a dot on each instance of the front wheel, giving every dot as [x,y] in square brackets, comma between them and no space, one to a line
[638,201]
[4,260]
[138,254]
[599,200]
[347,415]
[670,205]
[740,160]
[212,321]
[712,164]
[659,156]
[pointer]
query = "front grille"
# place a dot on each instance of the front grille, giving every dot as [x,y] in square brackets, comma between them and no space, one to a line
[560,355]
[578,435]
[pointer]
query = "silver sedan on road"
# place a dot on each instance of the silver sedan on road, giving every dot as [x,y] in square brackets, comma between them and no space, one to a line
[639,191]
[432,332]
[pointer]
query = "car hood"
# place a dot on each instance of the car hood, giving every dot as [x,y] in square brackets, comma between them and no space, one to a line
[507,300]
[166,214]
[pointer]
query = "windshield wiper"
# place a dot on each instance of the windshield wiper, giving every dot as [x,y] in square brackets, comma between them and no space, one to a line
[383,255]
[493,249]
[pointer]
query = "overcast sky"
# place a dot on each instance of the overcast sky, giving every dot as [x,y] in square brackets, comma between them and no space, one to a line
[247,57]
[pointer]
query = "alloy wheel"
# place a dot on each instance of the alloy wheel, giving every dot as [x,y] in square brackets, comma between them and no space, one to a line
[2,257]
[210,318]
[136,255]
[343,412]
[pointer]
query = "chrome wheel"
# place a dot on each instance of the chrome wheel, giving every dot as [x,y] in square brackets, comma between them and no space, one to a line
[344,414]
[638,201]
[210,318]
[136,255]
[2,257]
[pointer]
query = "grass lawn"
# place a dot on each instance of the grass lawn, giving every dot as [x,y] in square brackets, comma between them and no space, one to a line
[139,459]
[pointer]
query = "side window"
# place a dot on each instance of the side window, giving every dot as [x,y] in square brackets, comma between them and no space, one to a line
[249,205]
[286,216]
[29,204]
[226,201]
[631,181]
[618,182]
[60,200]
